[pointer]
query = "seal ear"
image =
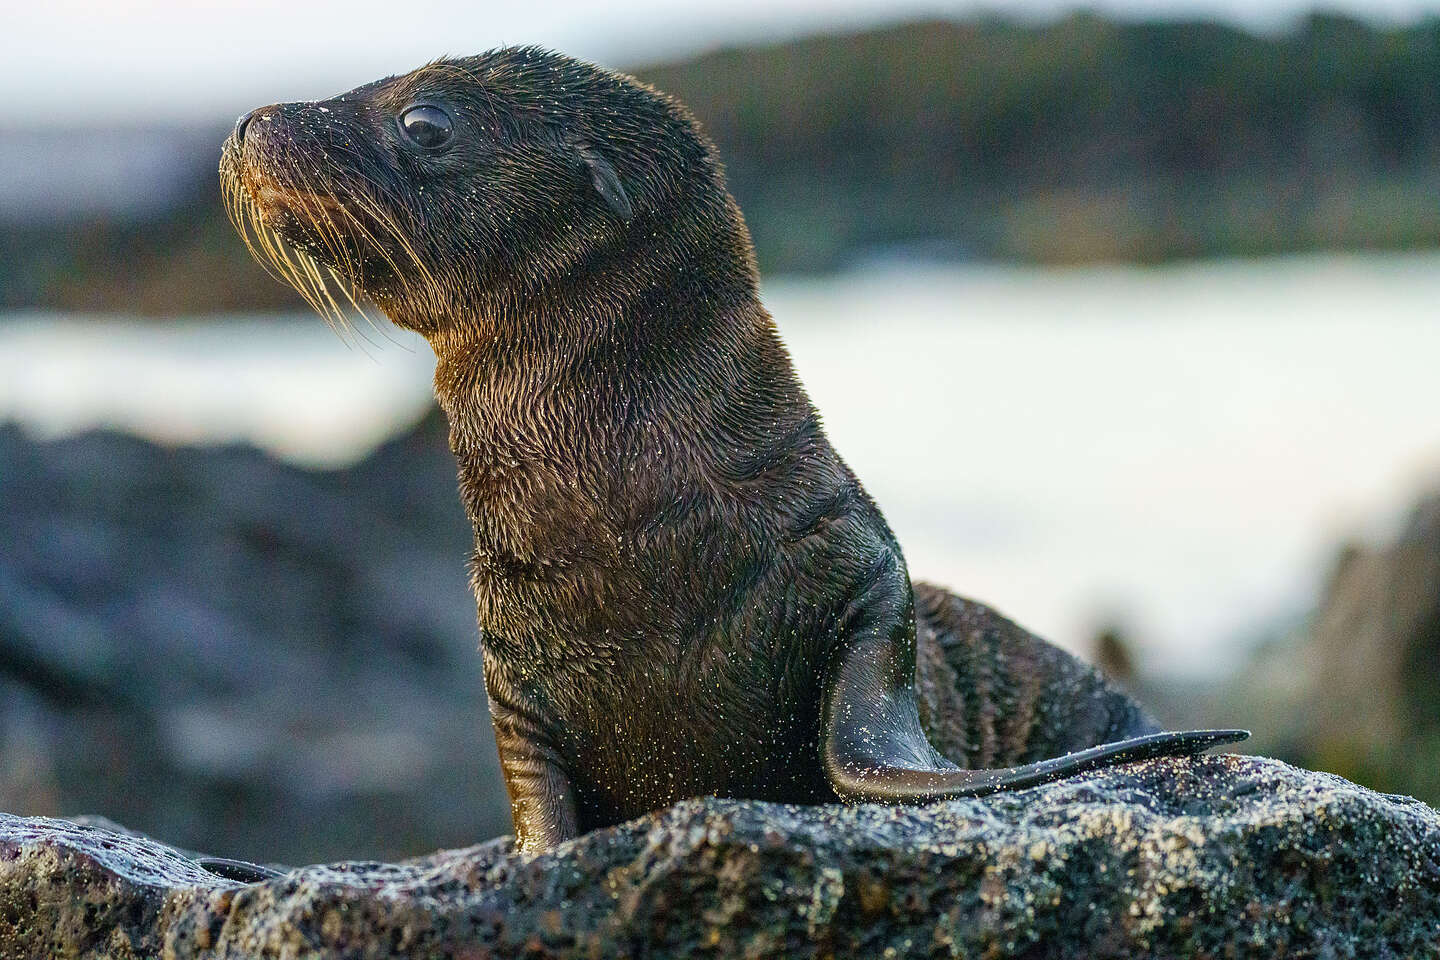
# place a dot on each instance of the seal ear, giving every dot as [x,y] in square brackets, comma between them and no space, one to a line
[605,181]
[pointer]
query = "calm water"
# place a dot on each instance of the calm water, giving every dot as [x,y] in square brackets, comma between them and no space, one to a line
[1180,449]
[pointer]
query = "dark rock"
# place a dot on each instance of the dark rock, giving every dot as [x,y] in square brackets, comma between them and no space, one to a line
[241,655]
[1369,663]
[1376,636]
[1223,856]
[1352,686]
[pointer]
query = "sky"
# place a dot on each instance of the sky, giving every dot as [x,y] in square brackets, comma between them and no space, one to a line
[64,62]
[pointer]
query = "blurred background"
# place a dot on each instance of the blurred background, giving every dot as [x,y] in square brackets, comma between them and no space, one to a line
[1126,317]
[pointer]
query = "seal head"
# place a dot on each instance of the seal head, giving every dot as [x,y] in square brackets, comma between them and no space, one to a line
[453,192]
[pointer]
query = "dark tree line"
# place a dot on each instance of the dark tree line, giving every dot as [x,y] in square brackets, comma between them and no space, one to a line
[1075,141]
[1079,140]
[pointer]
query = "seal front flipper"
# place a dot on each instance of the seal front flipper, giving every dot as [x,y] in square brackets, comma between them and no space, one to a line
[874,748]
[874,776]
[542,798]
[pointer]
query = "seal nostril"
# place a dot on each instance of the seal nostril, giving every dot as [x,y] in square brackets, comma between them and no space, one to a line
[240,126]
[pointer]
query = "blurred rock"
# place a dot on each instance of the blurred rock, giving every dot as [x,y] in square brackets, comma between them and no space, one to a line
[1111,652]
[1354,688]
[1371,660]
[1221,856]
[241,655]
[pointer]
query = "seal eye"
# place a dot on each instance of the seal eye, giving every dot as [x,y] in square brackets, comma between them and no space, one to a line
[427,127]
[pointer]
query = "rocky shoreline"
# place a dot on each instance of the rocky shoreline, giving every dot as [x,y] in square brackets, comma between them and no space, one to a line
[235,653]
[1223,856]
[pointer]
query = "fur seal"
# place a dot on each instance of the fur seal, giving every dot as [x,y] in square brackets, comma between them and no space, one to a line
[681,588]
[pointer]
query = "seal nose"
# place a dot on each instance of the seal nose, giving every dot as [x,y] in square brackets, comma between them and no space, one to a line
[240,126]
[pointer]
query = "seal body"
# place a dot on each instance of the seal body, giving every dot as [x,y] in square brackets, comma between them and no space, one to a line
[681,588]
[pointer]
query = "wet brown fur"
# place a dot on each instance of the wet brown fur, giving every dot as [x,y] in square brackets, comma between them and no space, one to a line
[668,552]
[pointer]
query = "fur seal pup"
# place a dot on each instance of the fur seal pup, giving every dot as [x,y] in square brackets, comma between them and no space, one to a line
[681,588]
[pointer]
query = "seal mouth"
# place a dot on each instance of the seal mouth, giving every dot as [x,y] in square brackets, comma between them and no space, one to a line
[272,196]
[268,212]
[337,245]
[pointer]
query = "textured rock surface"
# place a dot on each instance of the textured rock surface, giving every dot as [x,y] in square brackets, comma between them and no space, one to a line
[1225,856]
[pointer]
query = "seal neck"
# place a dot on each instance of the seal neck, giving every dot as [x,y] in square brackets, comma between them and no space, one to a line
[592,424]
[663,320]
[671,380]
